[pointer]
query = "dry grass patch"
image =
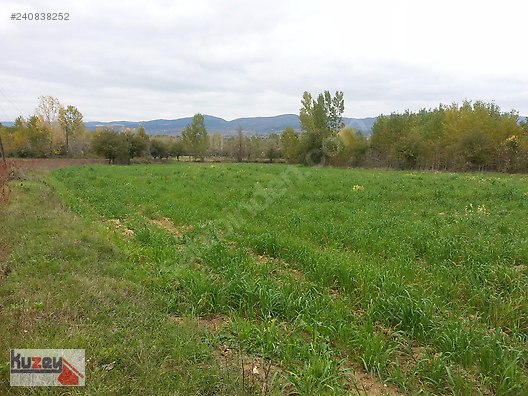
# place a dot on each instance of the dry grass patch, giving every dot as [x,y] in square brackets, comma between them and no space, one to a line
[29,319]
[281,267]
[4,268]
[118,226]
[211,323]
[520,268]
[368,384]
[6,174]
[47,164]
[167,224]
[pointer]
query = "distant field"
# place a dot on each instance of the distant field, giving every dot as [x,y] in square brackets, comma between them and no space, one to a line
[315,280]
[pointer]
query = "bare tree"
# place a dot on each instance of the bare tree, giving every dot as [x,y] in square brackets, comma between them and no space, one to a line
[48,111]
[71,121]
[240,151]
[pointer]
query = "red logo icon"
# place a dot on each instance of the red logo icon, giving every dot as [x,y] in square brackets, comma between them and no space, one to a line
[69,375]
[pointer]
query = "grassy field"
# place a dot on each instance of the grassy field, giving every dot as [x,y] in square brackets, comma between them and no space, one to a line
[271,279]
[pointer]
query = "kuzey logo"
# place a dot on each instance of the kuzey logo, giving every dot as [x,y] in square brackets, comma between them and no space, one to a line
[47,367]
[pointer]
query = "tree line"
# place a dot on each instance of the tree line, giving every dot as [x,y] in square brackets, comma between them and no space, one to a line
[470,136]
[57,130]
[324,139]
[195,143]
[53,130]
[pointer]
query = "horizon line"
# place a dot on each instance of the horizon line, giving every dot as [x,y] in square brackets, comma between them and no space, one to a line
[210,115]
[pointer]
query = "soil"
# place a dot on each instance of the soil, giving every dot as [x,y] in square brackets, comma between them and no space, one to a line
[167,224]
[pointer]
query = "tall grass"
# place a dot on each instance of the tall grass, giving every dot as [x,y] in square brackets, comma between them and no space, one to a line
[420,278]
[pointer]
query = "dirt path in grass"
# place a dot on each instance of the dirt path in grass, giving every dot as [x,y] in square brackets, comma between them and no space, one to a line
[47,164]
[4,270]
[15,167]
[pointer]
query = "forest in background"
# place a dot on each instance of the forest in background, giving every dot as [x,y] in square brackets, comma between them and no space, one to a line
[474,135]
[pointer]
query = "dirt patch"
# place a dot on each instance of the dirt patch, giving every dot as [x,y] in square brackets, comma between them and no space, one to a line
[418,353]
[335,294]
[6,174]
[519,268]
[294,274]
[263,374]
[118,226]
[256,372]
[4,271]
[5,191]
[4,268]
[167,224]
[385,330]
[372,386]
[409,356]
[281,267]
[359,312]
[211,323]
[3,252]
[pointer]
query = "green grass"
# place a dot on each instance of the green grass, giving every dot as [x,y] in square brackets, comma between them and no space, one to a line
[70,285]
[418,278]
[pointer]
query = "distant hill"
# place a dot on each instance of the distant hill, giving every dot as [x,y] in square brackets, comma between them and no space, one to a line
[363,125]
[253,125]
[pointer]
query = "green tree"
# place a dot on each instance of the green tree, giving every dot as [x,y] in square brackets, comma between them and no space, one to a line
[255,148]
[353,148]
[195,137]
[290,144]
[138,142]
[38,137]
[159,149]
[320,120]
[112,145]
[177,149]
[272,153]
[471,136]
[71,121]
[410,149]
[475,132]
[29,138]
[334,108]
[272,147]
[388,133]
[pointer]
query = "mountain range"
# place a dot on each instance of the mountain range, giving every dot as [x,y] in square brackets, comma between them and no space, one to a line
[251,125]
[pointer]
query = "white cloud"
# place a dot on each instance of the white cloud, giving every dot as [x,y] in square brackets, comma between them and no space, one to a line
[166,59]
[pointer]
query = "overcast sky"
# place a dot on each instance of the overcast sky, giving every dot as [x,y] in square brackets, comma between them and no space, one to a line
[140,60]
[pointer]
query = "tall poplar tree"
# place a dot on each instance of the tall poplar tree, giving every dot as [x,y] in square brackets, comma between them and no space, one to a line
[195,137]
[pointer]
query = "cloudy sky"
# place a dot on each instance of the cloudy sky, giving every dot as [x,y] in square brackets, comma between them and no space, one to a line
[139,60]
